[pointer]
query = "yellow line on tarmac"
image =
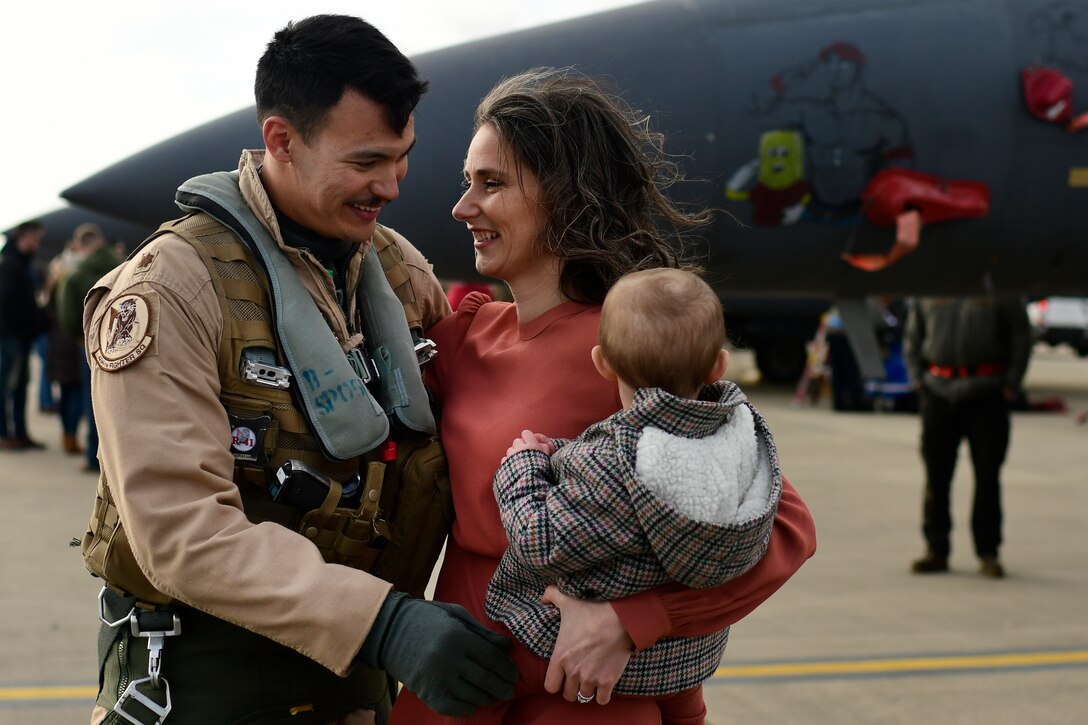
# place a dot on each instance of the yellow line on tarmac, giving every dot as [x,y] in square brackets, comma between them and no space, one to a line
[906,664]
[16,694]
[737,672]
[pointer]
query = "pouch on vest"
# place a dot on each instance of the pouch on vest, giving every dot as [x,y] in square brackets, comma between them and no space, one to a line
[406,511]
[107,553]
[418,510]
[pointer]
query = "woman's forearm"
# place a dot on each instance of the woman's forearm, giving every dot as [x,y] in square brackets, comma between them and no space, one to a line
[679,611]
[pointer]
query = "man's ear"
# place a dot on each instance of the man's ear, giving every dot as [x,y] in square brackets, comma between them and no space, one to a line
[278,134]
[720,364]
[602,365]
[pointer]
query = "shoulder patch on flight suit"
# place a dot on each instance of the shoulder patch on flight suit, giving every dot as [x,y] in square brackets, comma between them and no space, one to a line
[126,331]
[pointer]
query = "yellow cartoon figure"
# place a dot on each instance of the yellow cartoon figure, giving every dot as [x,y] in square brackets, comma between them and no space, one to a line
[780,192]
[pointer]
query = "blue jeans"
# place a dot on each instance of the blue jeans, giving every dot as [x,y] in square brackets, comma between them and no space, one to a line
[14,380]
[70,407]
[45,385]
[92,429]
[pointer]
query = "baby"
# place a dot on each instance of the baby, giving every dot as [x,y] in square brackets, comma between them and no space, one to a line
[681,485]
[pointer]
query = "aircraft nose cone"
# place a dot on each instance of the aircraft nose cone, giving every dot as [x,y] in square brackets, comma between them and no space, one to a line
[141,188]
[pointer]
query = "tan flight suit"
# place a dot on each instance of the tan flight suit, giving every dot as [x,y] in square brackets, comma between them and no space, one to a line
[165,451]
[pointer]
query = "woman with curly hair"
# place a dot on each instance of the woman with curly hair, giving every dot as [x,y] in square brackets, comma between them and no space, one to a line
[565,192]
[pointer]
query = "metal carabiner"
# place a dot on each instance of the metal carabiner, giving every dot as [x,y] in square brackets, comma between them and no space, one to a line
[155,640]
[131,693]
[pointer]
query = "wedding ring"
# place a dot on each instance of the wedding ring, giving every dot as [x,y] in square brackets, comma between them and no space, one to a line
[584,698]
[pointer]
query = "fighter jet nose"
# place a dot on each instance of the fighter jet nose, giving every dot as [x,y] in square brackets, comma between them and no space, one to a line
[141,188]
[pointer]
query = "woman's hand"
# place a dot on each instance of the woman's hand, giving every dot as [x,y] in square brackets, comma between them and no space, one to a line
[592,649]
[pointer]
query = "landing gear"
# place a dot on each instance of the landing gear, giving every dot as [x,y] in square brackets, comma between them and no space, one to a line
[781,361]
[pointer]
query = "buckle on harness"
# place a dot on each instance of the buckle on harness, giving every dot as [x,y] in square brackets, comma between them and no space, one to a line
[132,694]
[364,366]
[156,627]
[425,350]
[270,376]
[258,367]
[152,626]
[102,614]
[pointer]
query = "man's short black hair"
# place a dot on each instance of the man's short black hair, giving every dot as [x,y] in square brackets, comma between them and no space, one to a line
[309,64]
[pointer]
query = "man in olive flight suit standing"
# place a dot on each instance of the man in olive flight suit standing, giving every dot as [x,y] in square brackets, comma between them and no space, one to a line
[967,356]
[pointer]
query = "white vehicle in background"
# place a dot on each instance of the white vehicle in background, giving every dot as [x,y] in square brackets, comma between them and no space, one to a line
[1058,320]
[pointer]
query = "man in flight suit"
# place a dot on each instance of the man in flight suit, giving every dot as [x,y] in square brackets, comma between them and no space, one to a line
[269,632]
[967,356]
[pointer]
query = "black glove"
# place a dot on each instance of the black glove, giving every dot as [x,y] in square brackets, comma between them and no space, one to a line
[448,659]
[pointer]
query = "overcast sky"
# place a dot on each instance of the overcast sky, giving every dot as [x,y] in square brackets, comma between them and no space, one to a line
[85,84]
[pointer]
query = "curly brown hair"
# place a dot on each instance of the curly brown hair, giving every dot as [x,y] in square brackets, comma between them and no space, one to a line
[603,173]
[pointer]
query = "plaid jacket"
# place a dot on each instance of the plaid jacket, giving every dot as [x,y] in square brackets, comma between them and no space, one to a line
[586,521]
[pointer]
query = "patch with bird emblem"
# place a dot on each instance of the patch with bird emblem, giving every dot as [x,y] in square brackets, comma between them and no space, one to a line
[125,332]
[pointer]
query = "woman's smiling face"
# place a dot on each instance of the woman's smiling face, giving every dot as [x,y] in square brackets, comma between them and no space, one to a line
[503,212]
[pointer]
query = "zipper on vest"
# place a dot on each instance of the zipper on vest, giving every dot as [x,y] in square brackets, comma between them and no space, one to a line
[122,681]
[339,291]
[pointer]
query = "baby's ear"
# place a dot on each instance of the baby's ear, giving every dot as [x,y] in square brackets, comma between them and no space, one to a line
[720,365]
[602,365]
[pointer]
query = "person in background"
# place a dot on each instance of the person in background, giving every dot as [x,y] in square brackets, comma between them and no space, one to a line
[44,281]
[563,196]
[967,357]
[65,358]
[679,486]
[21,322]
[96,261]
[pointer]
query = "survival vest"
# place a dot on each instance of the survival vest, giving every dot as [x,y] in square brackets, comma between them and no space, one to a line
[397,529]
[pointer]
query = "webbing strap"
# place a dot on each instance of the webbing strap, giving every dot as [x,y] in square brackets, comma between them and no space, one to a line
[396,271]
[375,476]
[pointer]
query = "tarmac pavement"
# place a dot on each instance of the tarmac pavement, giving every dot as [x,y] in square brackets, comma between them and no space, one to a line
[855,638]
[852,638]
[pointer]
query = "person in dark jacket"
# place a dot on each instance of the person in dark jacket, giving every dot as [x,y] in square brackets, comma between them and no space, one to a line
[21,321]
[968,357]
[98,260]
[65,356]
